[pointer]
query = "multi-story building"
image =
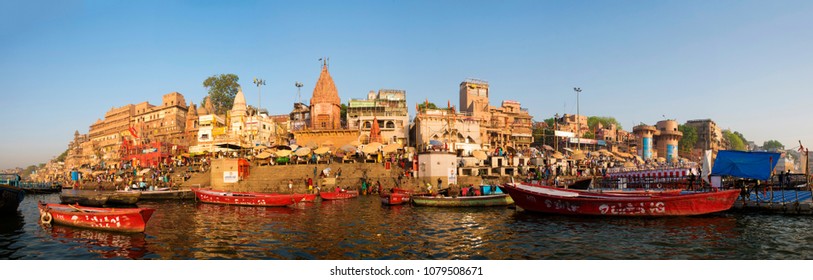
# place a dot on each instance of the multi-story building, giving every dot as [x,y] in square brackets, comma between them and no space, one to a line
[453,131]
[300,117]
[209,126]
[164,123]
[506,126]
[107,134]
[388,108]
[709,135]
[75,157]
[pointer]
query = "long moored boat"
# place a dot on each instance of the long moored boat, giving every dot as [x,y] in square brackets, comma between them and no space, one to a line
[558,201]
[10,193]
[246,198]
[462,201]
[338,195]
[111,219]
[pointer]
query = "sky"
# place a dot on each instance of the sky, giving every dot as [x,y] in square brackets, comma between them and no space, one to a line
[744,64]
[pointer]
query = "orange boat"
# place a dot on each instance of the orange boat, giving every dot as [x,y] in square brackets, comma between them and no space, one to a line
[247,198]
[111,219]
[339,195]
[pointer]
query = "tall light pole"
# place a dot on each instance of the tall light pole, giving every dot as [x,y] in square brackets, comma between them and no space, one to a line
[259,83]
[298,87]
[578,120]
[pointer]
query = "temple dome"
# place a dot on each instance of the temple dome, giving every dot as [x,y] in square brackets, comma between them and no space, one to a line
[239,101]
[325,90]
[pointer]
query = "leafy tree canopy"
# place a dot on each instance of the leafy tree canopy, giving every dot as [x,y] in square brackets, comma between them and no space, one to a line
[222,89]
[736,140]
[429,106]
[773,145]
[593,121]
[689,139]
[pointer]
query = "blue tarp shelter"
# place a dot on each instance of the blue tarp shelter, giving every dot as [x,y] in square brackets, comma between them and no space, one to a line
[750,165]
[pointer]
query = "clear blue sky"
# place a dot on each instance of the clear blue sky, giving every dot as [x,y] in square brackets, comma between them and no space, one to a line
[745,64]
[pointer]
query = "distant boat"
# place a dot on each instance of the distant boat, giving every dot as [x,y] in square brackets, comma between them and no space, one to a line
[339,195]
[561,201]
[110,219]
[11,195]
[462,201]
[394,198]
[163,194]
[41,188]
[99,198]
[246,198]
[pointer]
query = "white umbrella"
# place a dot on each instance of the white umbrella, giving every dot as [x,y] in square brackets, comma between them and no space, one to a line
[391,148]
[321,150]
[304,151]
[283,153]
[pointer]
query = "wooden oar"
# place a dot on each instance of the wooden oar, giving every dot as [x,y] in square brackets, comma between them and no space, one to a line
[76,208]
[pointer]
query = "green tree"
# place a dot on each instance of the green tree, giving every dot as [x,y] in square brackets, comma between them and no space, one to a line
[549,122]
[222,89]
[737,142]
[429,106]
[689,139]
[61,157]
[344,112]
[593,121]
[773,145]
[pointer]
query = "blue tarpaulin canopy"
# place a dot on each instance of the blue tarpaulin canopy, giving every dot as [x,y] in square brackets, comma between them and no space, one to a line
[750,165]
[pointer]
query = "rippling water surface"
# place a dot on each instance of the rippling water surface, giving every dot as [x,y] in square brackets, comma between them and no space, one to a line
[364,229]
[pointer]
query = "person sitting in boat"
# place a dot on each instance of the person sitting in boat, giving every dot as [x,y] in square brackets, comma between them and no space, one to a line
[429,188]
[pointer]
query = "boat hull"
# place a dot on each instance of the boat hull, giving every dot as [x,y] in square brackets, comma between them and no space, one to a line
[164,195]
[10,198]
[109,219]
[338,195]
[557,201]
[124,198]
[244,199]
[463,201]
[84,198]
[394,198]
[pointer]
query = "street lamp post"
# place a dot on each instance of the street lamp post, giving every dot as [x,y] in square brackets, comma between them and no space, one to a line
[259,83]
[578,120]
[298,87]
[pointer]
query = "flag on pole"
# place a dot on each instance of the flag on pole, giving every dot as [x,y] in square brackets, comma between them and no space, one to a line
[133,132]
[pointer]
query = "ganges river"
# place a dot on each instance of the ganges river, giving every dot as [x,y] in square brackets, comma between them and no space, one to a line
[363,229]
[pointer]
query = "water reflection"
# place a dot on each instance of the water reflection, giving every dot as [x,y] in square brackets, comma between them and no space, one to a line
[363,228]
[11,230]
[107,245]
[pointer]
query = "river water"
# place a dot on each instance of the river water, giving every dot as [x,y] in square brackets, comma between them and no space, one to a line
[362,228]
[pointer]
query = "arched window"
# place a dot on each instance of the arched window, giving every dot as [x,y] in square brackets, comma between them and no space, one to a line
[367,125]
[390,124]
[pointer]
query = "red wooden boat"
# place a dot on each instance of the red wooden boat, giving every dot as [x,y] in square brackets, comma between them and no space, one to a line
[559,201]
[112,219]
[339,195]
[246,198]
[394,198]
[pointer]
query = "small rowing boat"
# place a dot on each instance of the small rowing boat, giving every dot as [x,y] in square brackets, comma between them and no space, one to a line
[111,219]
